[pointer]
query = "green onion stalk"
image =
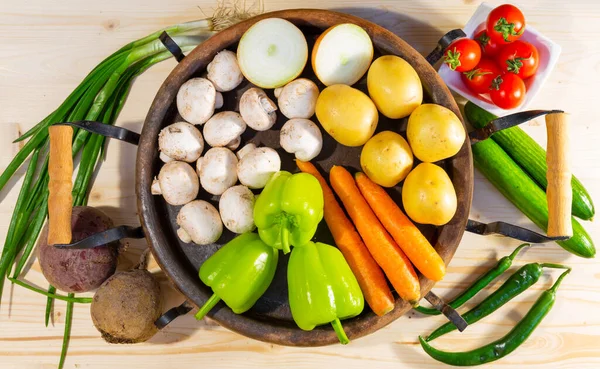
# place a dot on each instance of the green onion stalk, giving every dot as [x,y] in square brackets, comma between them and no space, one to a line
[100,96]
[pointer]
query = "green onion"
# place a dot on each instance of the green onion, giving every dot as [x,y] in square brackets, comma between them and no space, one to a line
[79,300]
[67,334]
[49,301]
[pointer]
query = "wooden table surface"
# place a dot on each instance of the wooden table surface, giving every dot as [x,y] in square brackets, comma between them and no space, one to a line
[46,48]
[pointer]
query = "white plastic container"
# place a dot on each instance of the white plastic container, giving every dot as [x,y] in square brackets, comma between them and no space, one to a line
[548,52]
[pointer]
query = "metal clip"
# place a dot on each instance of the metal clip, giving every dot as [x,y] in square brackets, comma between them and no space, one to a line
[103,238]
[505,122]
[443,44]
[172,314]
[510,230]
[452,315]
[171,46]
[105,130]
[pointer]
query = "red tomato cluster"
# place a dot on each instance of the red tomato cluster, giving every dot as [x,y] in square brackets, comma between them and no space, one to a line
[496,61]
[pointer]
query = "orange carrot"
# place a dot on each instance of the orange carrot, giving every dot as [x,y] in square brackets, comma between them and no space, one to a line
[405,233]
[385,251]
[369,275]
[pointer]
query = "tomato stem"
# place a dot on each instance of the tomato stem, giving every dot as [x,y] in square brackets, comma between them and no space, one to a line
[496,83]
[483,39]
[452,58]
[514,65]
[507,29]
[475,73]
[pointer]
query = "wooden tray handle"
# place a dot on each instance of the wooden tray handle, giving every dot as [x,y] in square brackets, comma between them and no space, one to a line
[559,192]
[60,170]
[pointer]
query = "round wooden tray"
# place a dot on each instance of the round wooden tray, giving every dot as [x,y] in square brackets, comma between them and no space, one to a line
[270,319]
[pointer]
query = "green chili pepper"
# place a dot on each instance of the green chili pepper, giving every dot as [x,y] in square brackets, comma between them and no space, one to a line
[288,210]
[322,288]
[505,345]
[521,280]
[503,264]
[238,273]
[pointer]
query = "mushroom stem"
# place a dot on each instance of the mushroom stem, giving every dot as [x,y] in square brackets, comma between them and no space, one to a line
[267,104]
[218,100]
[184,236]
[155,188]
[164,157]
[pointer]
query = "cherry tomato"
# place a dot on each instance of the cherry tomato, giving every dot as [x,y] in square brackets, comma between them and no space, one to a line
[507,91]
[489,48]
[505,24]
[520,58]
[462,55]
[480,79]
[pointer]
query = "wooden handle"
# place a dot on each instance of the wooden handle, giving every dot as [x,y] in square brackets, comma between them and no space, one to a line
[559,193]
[60,170]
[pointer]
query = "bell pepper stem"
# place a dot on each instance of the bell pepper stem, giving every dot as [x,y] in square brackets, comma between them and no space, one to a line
[208,305]
[339,331]
[285,237]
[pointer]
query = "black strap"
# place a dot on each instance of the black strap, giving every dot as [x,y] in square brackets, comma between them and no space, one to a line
[173,313]
[510,230]
[105,130]
[103,238]
[172,46]
[443,43]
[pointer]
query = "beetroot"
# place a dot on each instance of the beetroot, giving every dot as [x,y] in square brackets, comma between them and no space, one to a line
[79,270]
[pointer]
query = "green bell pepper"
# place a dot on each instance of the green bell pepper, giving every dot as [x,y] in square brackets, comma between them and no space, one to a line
[288,210]
[322,288]
[238,273]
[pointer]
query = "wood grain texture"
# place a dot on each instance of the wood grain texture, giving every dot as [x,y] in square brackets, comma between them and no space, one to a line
[60,184]
[62,41]
[559,192]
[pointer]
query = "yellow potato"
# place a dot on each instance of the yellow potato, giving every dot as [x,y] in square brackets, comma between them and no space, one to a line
[394,86]
[347,114]
[386,158]
[428,195]
[434,133]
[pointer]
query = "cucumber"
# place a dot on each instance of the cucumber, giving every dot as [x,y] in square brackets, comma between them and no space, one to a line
[531,157]
[516,185]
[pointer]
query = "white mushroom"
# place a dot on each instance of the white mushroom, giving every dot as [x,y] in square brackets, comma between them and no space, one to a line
[180,141]
[257,109]
[199,222]
[236,207]
[197,100]
[298,98]
[217,170]
[223,128]
[301,137]
[177,183]
[224,72]
[256,167]
[244,150]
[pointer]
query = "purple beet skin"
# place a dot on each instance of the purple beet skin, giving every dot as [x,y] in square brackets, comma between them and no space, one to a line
[79,270]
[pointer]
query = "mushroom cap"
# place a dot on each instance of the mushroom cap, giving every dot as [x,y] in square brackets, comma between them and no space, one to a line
[257,110]
[196,100]
[217,170]
[201,221]
[298,98]
[301,137]
[256,167]
[236,207]
[224,72]
[178,182]
[181,141]
[223,128]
